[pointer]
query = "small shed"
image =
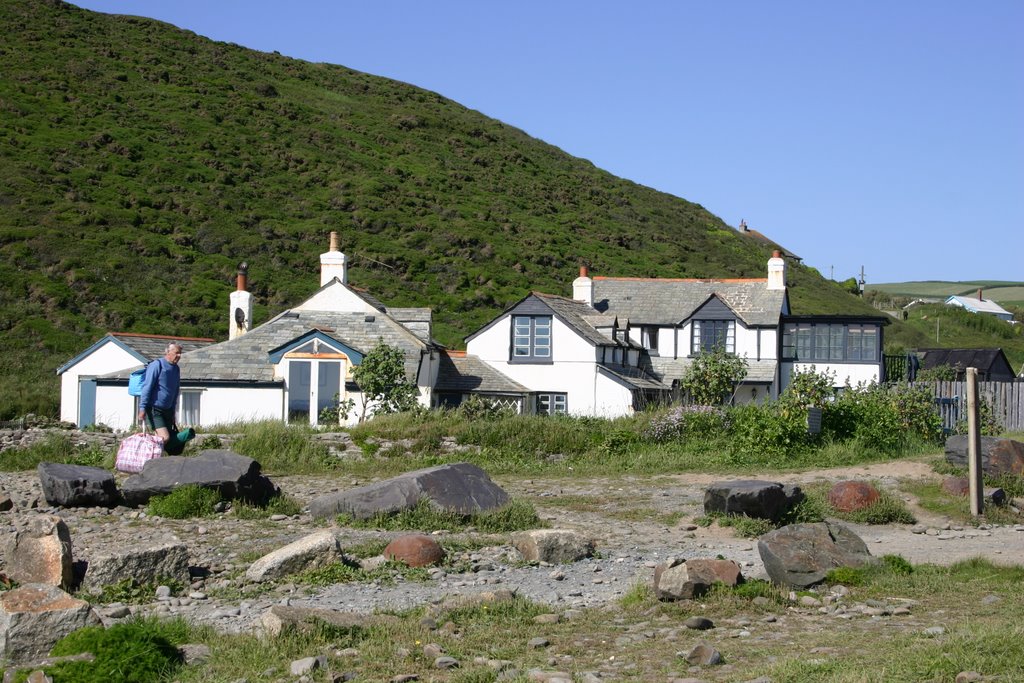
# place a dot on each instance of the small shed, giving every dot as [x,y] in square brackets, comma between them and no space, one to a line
[991,363]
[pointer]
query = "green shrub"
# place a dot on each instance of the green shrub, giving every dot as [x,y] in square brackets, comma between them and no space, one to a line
[809,389]
[762,432]
[134,652]
[283,449]
[184,502]
[846,576]
[895,564]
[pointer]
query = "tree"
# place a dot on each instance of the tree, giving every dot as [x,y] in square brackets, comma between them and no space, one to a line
[382,381]
[712,377]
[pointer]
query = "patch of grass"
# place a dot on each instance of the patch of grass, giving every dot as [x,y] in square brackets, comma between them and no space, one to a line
[131,592]
[758,588]
[846,576]
[56,447]
[139,651]
[934,499]
[283,449]
[888,509]
[386,574]
[184,503]
[744,526]
[278,505]
[515,516]
[638,595]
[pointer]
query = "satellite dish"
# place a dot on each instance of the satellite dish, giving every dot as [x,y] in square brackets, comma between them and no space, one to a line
[240,317]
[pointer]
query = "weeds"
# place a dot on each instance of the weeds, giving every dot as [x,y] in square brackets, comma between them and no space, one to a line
[514,516]
[185,502]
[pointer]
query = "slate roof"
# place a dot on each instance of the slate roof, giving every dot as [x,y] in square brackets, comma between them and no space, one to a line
[462,373]
[978,305]
[758,371]
[246,358]
[145,347]
[662,301]
[992,362]
[635,377]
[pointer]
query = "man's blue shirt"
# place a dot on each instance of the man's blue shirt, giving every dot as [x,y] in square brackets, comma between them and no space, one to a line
[160,388]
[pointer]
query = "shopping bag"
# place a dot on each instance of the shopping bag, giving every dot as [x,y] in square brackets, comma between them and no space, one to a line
[136,450]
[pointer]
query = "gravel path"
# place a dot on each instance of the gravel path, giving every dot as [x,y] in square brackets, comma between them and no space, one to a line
[637,522]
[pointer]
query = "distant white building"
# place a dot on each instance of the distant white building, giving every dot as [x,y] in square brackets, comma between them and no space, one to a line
[980,305]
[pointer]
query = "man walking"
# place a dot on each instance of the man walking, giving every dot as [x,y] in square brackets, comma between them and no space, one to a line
[159,399]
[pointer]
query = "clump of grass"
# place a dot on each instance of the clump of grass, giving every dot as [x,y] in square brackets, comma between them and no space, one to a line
[744,526]
[758,588]
[386,574]
[846,576]
[278,505]
[888,509]
[56,447]
[184,502]
[638,595]
[131,592]
[515,516]
[283,449]
[138,651]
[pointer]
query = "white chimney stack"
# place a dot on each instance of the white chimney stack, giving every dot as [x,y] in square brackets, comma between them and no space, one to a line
[240,305]
[332,263]
[776,271]
[583,287]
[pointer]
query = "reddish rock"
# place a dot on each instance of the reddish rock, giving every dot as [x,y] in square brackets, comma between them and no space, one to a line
[415,550]
[689,579]
[40,552]
[956,486]
[849,496]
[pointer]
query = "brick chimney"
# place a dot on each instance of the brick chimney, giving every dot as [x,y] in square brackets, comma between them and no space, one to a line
[776,271]
[979,295]
[583,287]
[332,263]
[240,304]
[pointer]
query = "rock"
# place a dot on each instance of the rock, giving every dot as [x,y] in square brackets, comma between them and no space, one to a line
[194,653]
[850,496]
[233,476]
[554,546]
[799,555]
[699,623]
[279,618]
[415,550]
[703,654]
[751,497]
[462,487]
[77,485]
[998,456]
[40,552]
[6,503]
[693,578]
[538,643]
[144,565]
[313,551]
[994,496]
[968,677]
[446,663]
[34,617]
[301,667]
[956,486]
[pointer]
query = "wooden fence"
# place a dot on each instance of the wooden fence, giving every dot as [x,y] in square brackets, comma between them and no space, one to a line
[1005,398]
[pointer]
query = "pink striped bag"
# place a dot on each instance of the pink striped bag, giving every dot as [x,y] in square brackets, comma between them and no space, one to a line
[136,450]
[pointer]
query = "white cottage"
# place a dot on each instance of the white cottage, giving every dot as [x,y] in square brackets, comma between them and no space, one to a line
[293,366]
[621,343]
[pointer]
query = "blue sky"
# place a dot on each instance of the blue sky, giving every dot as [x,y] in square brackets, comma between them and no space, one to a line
[888,135]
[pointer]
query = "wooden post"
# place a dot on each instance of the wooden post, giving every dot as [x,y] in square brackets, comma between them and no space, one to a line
[974,469]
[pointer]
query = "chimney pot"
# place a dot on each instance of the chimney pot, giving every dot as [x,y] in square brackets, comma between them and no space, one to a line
[776,253]
[584,272]
[243,276]
[979,294]
[334,241]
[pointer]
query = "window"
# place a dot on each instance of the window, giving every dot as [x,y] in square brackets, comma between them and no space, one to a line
[188,407]
[830,342]
[552,404]
[649,338]
[708,334]
[531,337]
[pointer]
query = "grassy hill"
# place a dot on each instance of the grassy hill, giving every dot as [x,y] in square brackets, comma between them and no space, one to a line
[1002,292]
[140,163]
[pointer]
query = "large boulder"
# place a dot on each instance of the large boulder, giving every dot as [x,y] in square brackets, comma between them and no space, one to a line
[234,476]
[280,618]
[145,565]
[689,579]
[34,617]
[998,456]
[751,497]
[40,552]
[462,487]
[310,552]
[800,555]
[77,485]
[850,496]
[554,546]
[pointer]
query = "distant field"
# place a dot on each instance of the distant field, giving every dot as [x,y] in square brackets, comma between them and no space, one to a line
[999,291]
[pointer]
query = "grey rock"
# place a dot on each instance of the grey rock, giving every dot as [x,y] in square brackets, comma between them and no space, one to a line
[703,654]
[751,497]
[699,623]
[462,487]
[799,555]
[446,663]
[693,578]
[301,667]
[311,552]
[145,565]
[77,485]
[281,617]
[233,476]
[998,456]
[554,546]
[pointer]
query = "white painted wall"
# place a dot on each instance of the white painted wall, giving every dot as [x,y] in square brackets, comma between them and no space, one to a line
[853,374]
[573,370]
[336,297]
[106,359]
[114,407]
[224,405]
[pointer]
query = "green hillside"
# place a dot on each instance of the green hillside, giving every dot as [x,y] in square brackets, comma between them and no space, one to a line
[140,163]
[1000,291]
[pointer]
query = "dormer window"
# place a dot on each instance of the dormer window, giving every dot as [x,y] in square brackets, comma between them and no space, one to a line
[531,338]
[711,334]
